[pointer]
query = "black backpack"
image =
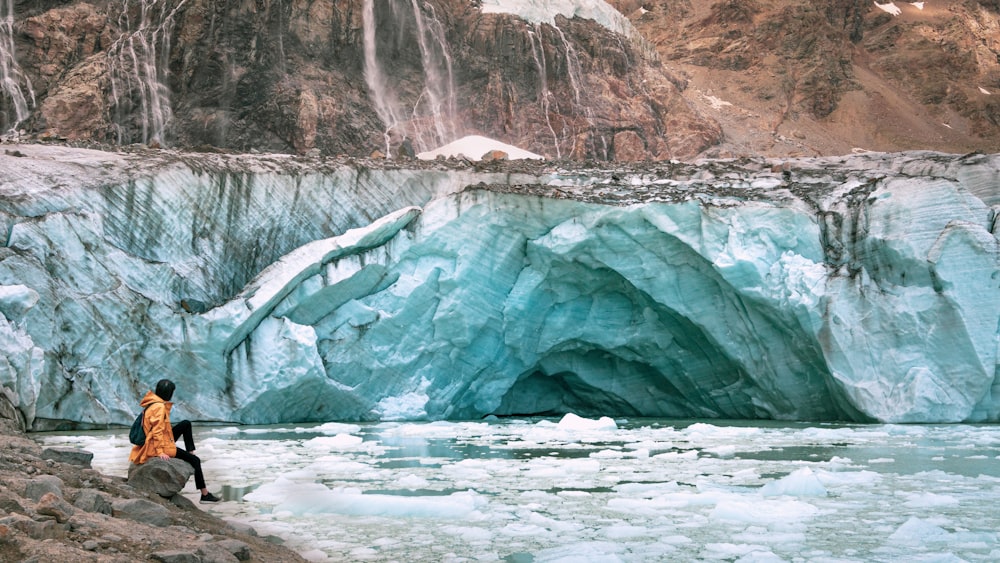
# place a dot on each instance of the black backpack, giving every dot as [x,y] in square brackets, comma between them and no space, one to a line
[137,435]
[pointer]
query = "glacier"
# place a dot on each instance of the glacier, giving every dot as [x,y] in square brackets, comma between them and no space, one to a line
[276,289]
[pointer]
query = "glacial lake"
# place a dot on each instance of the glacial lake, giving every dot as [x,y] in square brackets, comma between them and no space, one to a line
[630,490]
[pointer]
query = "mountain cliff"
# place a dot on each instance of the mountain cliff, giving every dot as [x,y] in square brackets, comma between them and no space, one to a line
[345,77]
[807,78]
[570,80]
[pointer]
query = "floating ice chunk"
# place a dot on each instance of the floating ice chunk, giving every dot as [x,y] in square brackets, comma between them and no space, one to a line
[702,431]
[340,441]
[747,553]
[544,468]
[298,499]
[929,500]
[763,512]
[467,533]
[847,478]
[606,552]
[412,482]
[890,8]
[647,489]
[331,428]
[573,422]
[916,531]
[800,483]
[724,451]
[621,531]
[314,555]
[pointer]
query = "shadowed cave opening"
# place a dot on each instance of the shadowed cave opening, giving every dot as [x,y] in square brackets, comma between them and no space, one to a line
[540,394]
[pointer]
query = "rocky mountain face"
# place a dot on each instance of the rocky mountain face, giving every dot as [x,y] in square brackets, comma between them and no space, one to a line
[788,78]
[734,77]
[343,77]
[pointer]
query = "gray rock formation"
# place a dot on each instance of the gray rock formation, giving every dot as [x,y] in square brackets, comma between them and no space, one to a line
[142,510]
[72,456]
[90,500]
[39,486]
[163,477]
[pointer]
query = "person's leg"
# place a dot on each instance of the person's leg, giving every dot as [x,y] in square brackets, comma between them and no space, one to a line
[183,428]
[199,477]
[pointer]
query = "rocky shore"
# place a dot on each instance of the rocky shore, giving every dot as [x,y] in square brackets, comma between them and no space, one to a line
[54,507]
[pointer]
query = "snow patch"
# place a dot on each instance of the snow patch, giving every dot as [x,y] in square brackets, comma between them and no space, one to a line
[716,103]
[545,11]
[890,8]
[474,147]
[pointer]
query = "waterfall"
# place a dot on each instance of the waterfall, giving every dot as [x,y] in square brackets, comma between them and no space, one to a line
[138,63]
[575,73]
[11,77]
[434,108]
[382,96]
[544,93]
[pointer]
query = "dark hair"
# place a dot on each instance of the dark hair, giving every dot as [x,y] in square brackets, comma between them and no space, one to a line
[164,389]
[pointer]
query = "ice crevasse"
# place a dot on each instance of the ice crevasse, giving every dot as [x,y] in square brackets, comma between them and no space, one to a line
[861,288]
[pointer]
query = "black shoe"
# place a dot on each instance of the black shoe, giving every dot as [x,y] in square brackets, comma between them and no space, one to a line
[209,498]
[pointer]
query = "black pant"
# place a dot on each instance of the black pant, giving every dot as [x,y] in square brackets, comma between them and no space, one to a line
[183,428]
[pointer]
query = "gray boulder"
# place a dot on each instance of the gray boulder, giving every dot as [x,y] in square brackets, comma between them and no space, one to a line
[90,500]
[214,553]
[72,456]
[239,549]
[142,510]
[165,478]
[36,488]
[175,556]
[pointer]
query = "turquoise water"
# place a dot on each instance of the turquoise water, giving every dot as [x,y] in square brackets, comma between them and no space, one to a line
[572,490]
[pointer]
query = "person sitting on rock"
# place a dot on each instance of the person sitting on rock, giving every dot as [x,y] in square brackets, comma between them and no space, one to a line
[161,437]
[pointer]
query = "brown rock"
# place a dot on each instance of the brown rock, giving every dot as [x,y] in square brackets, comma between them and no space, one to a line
[304,138]
[629,147]
[494,155]
[62,37]
[53,505]
[77,106]
[34,529]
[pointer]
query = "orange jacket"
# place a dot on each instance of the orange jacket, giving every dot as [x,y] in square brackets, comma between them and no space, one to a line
[159,433]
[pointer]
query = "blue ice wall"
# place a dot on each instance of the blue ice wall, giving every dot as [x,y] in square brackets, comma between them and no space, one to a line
[855,288]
